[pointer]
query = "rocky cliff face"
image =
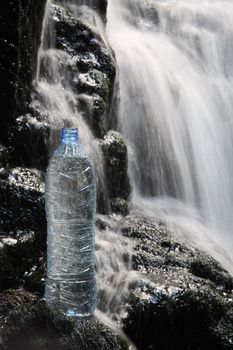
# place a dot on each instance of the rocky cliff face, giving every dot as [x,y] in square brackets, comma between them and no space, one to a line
[87,65]
[179,299]
[21,23]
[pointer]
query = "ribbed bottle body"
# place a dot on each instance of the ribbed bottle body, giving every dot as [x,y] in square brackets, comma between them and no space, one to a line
[70,211]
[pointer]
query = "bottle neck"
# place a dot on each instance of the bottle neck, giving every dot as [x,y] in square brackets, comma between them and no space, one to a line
[69,136]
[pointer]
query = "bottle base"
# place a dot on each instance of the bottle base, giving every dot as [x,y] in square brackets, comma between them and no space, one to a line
[75,314]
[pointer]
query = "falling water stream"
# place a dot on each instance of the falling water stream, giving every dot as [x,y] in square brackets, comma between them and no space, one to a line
[176,113]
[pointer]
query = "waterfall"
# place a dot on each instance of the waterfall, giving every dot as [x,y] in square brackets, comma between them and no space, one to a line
[176,113]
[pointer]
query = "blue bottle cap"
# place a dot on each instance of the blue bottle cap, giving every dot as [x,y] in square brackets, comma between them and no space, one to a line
[69,135]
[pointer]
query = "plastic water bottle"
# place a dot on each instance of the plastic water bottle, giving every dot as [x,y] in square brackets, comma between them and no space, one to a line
[70,209]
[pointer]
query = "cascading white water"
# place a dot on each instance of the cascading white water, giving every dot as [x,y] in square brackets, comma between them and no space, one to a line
[176,113]
[114,270]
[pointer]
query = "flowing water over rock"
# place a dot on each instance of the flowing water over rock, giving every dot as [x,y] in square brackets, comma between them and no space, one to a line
[114,265]
[176,102]
[55,98]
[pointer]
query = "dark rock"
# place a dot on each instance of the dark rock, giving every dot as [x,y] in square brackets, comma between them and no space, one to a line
[23,230]
[93,108]
[22,261]
[75,36]
[21,36]
[156,248]
[101,224]
[102,6]
[21,201]
[92,66]
[183,300]
[206,267]
[13,298]
[29,139]
[35,275]
[116,164]
[120,206]
[194,317]
[34,327]
[87,66]
[21,23]
[5,156]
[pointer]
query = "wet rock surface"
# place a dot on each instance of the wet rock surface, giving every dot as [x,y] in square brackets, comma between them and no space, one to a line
[29,135]
[180,299]
[183,299]
[13,298]
[21,201]
[116,164]
[86,64]
[91,62]
[22,260]
[23,229]
[30,325]
[193,317]
[21,23]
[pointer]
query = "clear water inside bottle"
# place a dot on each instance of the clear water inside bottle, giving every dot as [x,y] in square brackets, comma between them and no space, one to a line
[70,210]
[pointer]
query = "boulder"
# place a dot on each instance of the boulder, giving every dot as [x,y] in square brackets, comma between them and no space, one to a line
[179,317]
[21,201]
[23,229]
[33,326]
[13,298]
[92,66]
[116,165]
[183,298]
[29,139]
[22,260]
